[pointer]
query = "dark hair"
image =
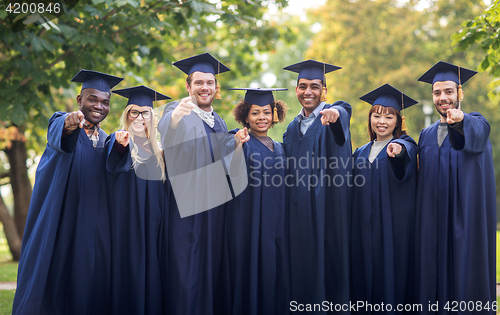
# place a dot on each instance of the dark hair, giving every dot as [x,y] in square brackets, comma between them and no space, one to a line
[397,132]
[241,111]
[190,78]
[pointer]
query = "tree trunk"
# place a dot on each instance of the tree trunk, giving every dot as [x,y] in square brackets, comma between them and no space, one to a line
[20,182]
[9,227]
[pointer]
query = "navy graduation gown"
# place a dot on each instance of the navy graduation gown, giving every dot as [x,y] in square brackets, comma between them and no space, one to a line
[138,202]
[64,265]
[256,234]
[318,203]
[383,210]
[456,217]
[194,270]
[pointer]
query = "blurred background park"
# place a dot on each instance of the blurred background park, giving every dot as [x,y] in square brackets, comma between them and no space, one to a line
[375,42]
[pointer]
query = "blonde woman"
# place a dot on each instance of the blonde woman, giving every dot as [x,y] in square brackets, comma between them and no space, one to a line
[138,202]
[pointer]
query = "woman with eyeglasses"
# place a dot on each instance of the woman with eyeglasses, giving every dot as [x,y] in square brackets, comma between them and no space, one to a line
[138,204]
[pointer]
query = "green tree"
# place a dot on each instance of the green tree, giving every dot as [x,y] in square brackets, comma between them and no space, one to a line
[134,39]
[480,35]
[378,42]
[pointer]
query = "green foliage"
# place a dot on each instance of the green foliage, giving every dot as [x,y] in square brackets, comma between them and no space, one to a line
[6,300]
[480,35]
[378,42]
[136,39]
[483,31]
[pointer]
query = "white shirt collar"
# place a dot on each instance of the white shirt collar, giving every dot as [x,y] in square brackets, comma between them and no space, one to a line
[207,117]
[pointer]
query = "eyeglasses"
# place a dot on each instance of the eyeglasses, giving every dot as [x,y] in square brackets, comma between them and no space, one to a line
[135,113]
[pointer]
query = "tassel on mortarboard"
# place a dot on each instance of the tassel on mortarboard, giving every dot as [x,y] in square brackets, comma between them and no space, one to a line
[388,96]
[323,90]
[262,97]
[275,114]
[403,123]
[460,91]
[218,95]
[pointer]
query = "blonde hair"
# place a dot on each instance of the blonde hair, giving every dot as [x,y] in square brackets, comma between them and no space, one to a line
[152,139]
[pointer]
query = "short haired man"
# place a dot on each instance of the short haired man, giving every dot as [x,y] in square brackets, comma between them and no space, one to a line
[64,265]
[318,149]
[456,203]
[197,276]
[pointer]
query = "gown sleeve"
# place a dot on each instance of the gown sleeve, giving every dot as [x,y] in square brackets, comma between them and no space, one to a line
[476,132]
[55,137]
[340,128]
[403,167]
[115,162]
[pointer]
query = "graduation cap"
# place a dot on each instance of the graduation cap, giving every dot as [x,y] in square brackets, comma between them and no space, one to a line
[311,70]
[261,97]
[203,63]
[141,95]
[389,96]
[96,80]
[444,71]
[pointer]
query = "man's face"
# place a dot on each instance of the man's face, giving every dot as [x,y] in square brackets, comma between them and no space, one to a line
[309,94]
[94,105]
[203,88]
[445,96]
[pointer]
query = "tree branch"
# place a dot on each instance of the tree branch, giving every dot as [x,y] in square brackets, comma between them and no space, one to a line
[26,80]
[109,14]
[491,26]
[53,63]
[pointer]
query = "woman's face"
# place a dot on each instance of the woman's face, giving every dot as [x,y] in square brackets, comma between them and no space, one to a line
[260,119]
[139,118]
[383,125]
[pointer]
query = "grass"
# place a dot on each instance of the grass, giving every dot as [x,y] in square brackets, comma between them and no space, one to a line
[6,299]
[498,256]
[8,273]
[8,268]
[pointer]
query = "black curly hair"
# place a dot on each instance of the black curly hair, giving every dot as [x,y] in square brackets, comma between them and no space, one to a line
[241,111]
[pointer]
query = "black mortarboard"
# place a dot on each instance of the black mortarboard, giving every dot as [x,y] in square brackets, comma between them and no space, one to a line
[386,95]
[444,71]
[258,96]
[203,63]
[141,95]
[311,69]
[96,80]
